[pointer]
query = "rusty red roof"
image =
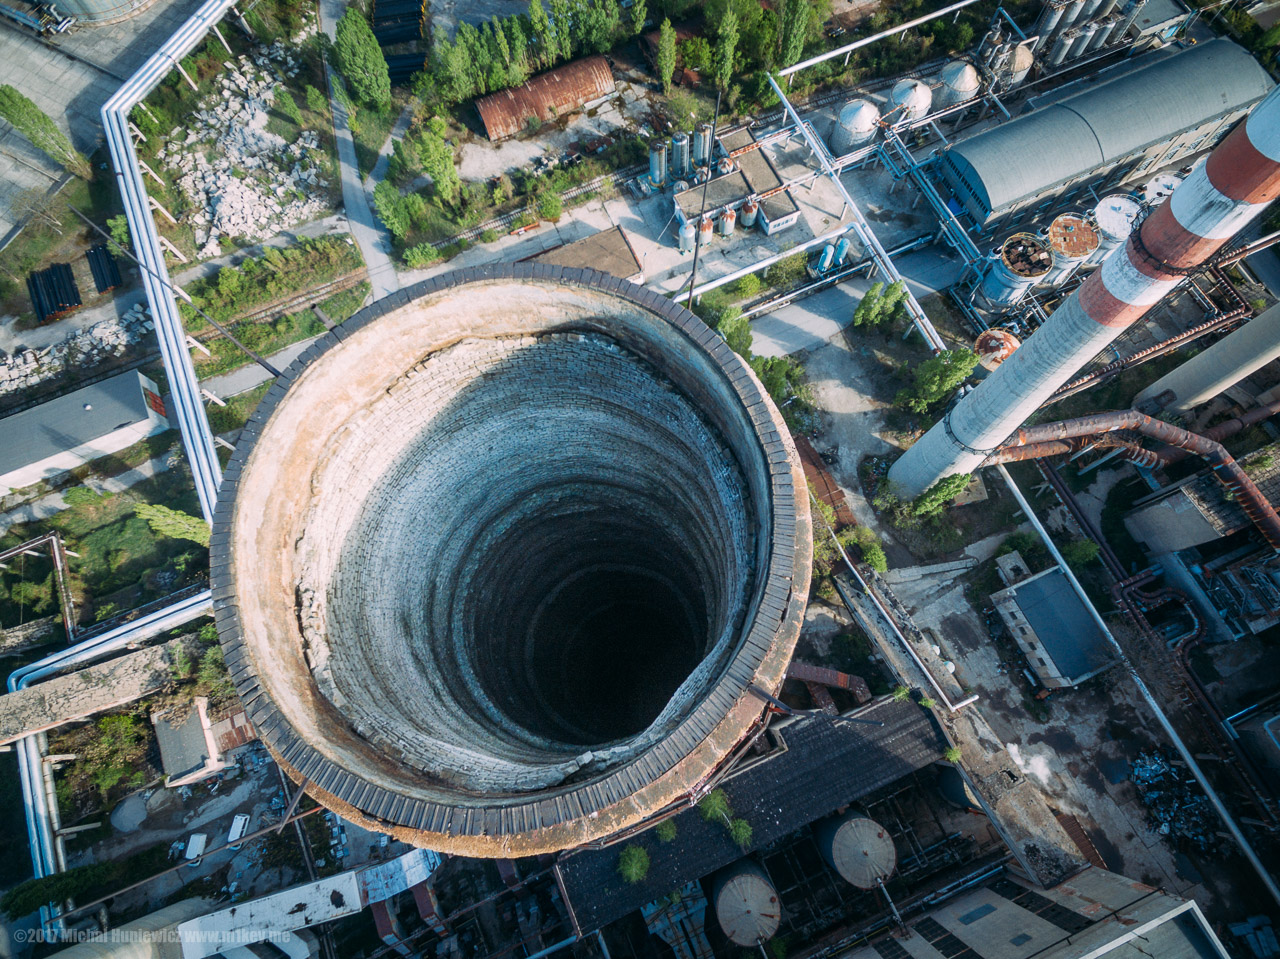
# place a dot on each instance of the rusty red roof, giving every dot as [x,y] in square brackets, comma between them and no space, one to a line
[545,97]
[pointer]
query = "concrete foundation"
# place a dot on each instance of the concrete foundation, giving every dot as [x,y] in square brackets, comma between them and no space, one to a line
[497,566]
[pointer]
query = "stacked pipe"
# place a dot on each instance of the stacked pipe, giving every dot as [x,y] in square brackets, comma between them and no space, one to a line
[1235,184]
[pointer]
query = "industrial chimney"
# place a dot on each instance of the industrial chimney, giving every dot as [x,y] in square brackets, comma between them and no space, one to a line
[1240,177]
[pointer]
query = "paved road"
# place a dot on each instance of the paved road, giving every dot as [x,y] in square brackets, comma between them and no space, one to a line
[811,322]
[372,237]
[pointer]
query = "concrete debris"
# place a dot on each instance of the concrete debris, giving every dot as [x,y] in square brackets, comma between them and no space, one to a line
[79,350]
[243,180]
[1175,805]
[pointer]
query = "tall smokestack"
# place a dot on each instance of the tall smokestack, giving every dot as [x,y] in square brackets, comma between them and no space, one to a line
[1241,176]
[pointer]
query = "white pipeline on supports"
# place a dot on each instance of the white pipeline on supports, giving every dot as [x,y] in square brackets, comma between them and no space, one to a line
[1227,192]
[1222,365]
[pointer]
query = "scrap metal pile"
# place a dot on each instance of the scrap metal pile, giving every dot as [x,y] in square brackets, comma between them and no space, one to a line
[1175,805]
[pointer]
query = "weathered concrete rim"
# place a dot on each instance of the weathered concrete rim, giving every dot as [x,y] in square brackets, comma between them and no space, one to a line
[569,815]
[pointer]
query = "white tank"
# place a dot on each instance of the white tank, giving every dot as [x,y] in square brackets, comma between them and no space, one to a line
[746,904]
[857,124]
[1071,241]
[688,234]
[1113,218]
[1061,44]
[912,97]
[960,82]
[1159,188]
[859,849]
[1084,34]
[1016,266]
[1017,67]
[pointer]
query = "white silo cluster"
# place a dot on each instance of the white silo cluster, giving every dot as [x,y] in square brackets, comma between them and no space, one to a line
[1070,29]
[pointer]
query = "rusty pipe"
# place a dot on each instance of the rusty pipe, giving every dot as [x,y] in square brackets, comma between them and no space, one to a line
[1172,454]
[1134,453]
[1225,468]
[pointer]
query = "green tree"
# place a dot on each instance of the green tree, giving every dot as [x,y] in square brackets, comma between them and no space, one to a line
[639,14]
[476,58]
[740,831]
[391,211]
[937,378]
[519,47]
[868,310]
[714,807]
[495,42]
[360,60]
[550,206]
[666,57]
[633,863]
[937,497]
[173,523]
[736,330]
[450,63]
[600,24]
[891,303]
[317,102]
[726,49]
[34,124]
[437,160]
[287,105]
[1080,552]
[121,243]
[666,830]
[794,30]
[543,36]
[562,23]
[1270,39]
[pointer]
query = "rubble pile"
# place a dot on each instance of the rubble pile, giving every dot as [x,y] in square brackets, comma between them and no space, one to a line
[80,350]
[1175,805]
[243,180]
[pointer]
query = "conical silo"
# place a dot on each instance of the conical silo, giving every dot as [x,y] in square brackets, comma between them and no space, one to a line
[859,849]
[960,82]
[746,904]
[910,100]
[1113,219]
[1016,266]
[856,125]
[1071,241]
[1017,67]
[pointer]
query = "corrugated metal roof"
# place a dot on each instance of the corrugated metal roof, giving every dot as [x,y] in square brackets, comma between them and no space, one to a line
[545,97]
[1103,124]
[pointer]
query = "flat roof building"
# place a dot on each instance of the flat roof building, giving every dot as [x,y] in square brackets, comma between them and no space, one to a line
[188,747]
[96,420]
[1051,624]
[1167,110]
[609,251]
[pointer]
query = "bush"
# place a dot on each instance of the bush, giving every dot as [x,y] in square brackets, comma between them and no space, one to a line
[928,703]
[740,831]
[952,755]
[424,254]
[550,206]
[1080,552]
[901,694]
[633,864]
[873,555]
[714,806]
[786,272]
[935,499]
[666,830]
[489,235]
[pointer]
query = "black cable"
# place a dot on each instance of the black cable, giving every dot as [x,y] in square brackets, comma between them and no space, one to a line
[697,240]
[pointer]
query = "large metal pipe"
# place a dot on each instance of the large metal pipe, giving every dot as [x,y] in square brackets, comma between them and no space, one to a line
[1221,366]
[1171,454]
[1225,468]
[1241,176]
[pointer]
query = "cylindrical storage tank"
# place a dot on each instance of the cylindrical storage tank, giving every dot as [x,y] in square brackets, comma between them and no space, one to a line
[1220,367]
[1063,42]
[680,154]
[451,628]
[857,124]
[658,164]
[1050,16]
[688,234]
[1017,67]
[994,346]
[100,12]
[1099,39]
[702,145]
[746,904]
[724,165]
[727,221]
[910,99]
[1089,11]
[706,228]
[1070,15]
[1083,36]
[1071,241]
[826,257]
[1130,14]
[842,250]
[1019,264]
[1159,188]
[960,82]
[1113,219]
[1106,9]
[749,211]
[680,186]
[859,849]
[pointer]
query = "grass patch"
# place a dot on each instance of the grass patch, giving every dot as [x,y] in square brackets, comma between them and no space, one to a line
[225,419]
[374,128]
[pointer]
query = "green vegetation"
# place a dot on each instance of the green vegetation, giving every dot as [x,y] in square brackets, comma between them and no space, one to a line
[928,703]
[174,523]
[881,306]
[285,103]
[714,806]
[901,694]
[666,830]
[1079,552]
[34,124]
[225,419]
[952,754]
[633,863]
[938,496]
[121,242]
[360,61]
[740,831]
[936,379]
[423,254]
[83,883]
[550,207]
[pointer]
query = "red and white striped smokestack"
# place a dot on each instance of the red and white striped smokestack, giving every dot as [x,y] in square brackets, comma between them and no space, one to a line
[1241,176]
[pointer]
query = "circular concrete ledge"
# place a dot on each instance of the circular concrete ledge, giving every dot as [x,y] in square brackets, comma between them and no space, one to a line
[495,561]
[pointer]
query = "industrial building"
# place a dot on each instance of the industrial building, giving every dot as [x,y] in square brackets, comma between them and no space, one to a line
[1096,140]
[189,750]
[609,251]
[521,426]
[544,98]
[1052,625]
[748,181]
[93,421]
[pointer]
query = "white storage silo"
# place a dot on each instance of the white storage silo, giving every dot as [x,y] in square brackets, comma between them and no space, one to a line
[1113,218]
[910,100]
[856,125]
[746,904]
[960,82]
